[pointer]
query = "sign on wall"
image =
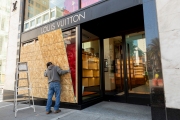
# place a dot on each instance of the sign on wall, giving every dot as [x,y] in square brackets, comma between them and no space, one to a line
[14,6]
[63,22]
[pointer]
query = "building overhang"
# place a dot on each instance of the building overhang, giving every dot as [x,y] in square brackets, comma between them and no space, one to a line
[81,16]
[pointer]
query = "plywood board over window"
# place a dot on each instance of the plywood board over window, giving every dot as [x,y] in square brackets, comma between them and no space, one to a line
[50,47]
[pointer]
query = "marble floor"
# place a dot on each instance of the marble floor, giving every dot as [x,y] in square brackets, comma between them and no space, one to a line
[143,89]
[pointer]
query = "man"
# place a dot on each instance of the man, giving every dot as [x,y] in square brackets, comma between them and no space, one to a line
[53,73]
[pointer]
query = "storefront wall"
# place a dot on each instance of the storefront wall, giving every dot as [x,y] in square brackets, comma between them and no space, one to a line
[168,17]
[152,37]
[43,11]
[59,48]
[87,14]
[71,21]
[154,57]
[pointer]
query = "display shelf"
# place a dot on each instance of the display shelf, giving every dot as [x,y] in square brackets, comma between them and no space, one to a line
[136,70]
[90,71]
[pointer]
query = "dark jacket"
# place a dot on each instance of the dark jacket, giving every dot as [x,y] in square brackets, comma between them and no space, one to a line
[53,73]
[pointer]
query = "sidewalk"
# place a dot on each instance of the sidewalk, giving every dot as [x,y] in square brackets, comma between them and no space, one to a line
[100,111]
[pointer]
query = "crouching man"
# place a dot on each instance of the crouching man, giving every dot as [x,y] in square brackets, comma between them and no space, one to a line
[53,73]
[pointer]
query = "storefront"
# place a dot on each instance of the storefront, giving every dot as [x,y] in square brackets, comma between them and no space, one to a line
[110,50]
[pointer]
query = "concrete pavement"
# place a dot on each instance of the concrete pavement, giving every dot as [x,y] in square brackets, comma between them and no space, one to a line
[100,111]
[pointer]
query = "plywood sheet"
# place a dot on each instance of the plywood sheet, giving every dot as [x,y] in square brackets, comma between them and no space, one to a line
[49,48]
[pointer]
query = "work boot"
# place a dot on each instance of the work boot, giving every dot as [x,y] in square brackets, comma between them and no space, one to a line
[57,111]
[49,112]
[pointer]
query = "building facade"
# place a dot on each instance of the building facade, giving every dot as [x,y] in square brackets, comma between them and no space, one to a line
[4,28]
[117,50]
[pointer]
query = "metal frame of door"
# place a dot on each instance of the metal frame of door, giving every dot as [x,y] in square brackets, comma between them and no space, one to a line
[124,68]
[126,96]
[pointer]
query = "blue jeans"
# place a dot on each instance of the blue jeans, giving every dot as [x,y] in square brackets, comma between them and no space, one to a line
[54,87]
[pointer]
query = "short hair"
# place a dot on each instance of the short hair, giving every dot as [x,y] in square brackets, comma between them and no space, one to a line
[48,64]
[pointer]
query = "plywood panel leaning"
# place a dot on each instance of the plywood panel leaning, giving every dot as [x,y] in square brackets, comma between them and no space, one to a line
[49,47]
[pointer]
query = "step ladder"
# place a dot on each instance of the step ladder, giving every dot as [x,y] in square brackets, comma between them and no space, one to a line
[22,67]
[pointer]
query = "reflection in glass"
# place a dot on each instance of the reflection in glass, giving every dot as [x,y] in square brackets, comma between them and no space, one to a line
[138,81]
[48,9]
[114,76]
[90,66]
[70,42]
[32,23]
[26,25]
[38,21]
[85,3]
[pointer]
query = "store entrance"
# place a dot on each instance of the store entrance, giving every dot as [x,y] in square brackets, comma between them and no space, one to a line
[125,68]
[122,41]
[113,69]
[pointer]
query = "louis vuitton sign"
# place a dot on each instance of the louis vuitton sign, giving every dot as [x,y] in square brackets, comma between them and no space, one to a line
[63,22]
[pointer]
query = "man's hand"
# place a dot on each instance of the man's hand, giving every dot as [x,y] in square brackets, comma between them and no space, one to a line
[45,74]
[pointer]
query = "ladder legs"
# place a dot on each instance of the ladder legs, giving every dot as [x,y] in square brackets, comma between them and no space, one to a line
[33,101]
[15,96]
[27,87]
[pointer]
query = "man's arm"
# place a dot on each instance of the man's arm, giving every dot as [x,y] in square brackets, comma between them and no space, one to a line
[61,72]
[45,73]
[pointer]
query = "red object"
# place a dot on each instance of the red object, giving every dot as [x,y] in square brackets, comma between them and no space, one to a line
[71,54]
[65,12]
[157,82]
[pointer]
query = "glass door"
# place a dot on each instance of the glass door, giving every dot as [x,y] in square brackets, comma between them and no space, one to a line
[137,80]
[125,71]
[113,69]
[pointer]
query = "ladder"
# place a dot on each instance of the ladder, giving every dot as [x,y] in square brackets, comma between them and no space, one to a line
[22,67]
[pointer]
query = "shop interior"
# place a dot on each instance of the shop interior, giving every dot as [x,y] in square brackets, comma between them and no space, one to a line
[124,40]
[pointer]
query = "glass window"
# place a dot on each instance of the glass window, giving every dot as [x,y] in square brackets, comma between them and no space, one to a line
[113,66]
[90,66]
[63,6]
[26,25]
[46,16]
[39,20]
[52,14]
[33,23]
[30,15]
[137,68]
[30,9]
[85,3]
[70,42]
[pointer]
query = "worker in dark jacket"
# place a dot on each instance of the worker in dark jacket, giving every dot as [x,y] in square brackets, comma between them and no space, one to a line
[53,73]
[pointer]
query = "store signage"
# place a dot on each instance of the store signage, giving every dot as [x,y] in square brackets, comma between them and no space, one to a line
[14,6]
[63,22]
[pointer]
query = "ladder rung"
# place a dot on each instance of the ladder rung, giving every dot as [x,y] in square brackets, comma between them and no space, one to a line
[22,94]
[22,71]
[22,78]
[23,88]
[27,101]
[25,108]
[25,95]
